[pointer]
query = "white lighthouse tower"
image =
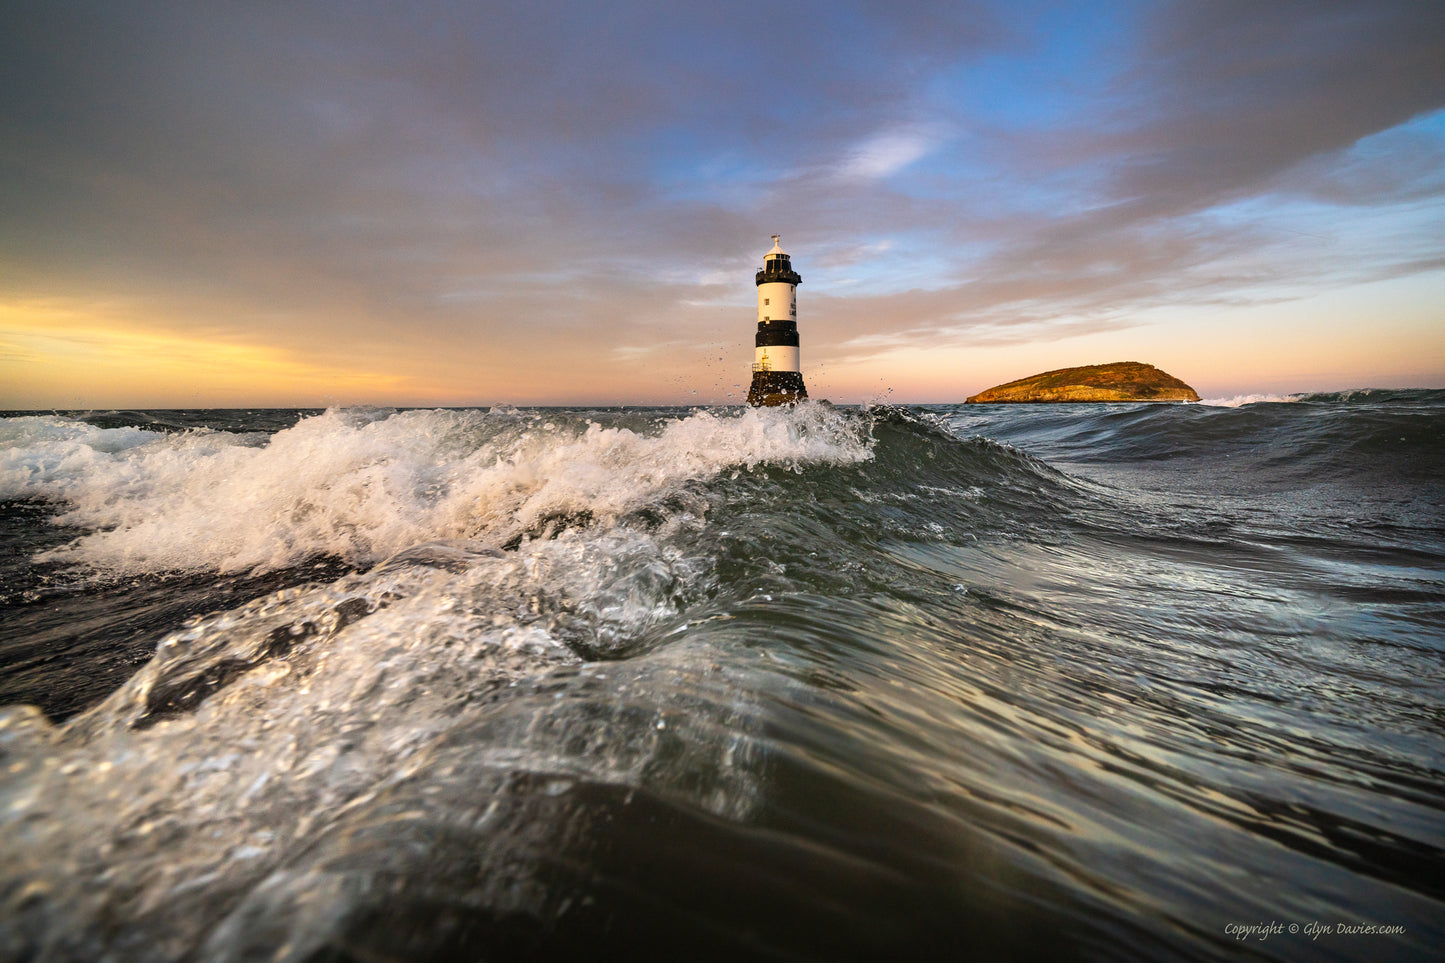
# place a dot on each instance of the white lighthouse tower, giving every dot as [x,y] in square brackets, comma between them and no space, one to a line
[777,378]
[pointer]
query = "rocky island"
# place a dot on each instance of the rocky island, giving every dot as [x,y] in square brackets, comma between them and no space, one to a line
[1120,381]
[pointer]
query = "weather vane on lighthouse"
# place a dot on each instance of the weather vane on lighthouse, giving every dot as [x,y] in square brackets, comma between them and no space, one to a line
[777,379]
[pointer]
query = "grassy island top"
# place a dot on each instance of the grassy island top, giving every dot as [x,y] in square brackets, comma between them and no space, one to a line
[1119,381]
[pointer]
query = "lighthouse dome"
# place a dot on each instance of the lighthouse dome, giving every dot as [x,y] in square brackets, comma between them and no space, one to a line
[777,268]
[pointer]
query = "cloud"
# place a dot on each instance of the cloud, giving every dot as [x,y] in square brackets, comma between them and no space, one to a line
[1400,165]
[446,186]
[1230,94]
[885,154]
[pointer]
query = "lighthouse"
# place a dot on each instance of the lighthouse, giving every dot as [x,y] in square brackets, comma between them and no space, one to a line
[777,379]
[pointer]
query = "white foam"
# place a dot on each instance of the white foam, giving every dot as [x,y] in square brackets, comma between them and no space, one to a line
[256,738]
[1241,400]
[45,456]
[364,485]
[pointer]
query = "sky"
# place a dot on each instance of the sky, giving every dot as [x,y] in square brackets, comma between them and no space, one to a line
[237,204]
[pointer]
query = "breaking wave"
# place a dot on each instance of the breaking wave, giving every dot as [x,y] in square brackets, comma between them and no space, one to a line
[362,485]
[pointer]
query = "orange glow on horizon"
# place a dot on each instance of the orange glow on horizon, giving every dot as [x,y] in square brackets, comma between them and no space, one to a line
[55,355]
[76,354]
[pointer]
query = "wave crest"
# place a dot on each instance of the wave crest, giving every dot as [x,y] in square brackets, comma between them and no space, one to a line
[363,485]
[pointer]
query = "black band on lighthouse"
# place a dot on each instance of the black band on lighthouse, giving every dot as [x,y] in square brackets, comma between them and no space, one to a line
[772,333]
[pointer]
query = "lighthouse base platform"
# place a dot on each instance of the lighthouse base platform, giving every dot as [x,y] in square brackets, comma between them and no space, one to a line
[772,388]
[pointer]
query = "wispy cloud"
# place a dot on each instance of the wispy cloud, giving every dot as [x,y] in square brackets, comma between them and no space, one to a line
[888,153]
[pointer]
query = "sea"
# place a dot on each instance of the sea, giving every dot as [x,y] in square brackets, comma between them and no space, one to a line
[940,682]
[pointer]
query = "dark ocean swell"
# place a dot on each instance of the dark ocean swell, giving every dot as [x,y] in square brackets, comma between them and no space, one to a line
[996,682]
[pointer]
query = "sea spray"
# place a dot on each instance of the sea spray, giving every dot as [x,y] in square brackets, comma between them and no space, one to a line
[360,486]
